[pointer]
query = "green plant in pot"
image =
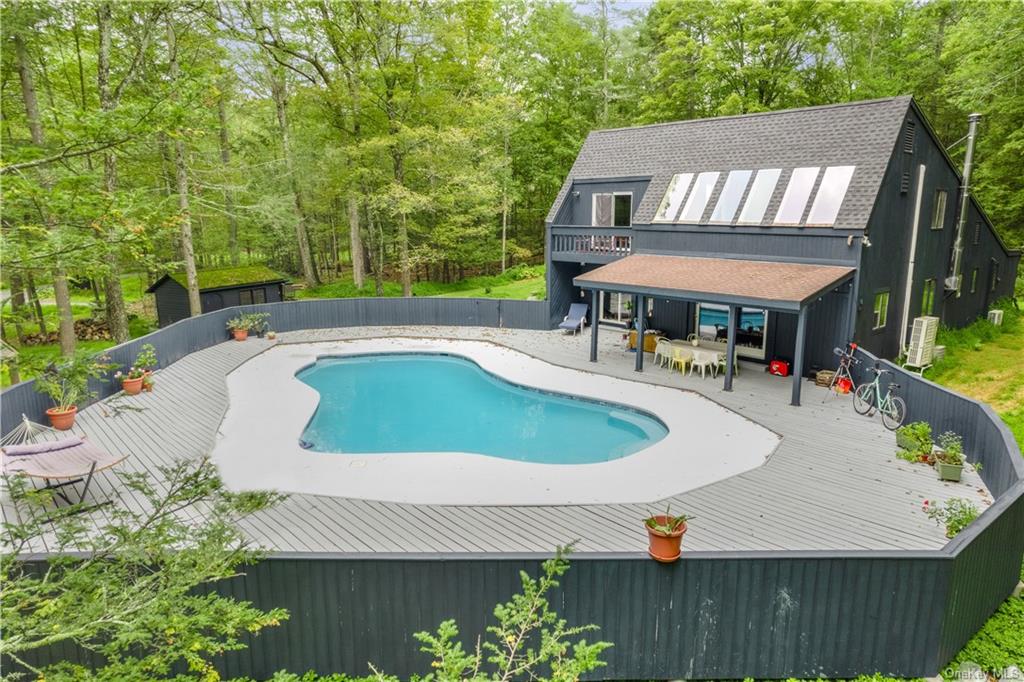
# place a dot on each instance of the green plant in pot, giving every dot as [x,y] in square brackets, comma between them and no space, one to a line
[259,323]
[665,535]
[956,514]
[67,384]
[239,327]
[916,440]
[949,456]
[146,359]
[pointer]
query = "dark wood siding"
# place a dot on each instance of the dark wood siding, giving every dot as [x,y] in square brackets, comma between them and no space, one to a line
[171,302]
[577,210]
[172,299]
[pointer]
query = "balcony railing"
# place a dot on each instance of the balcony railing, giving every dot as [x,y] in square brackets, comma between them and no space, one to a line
[590,244]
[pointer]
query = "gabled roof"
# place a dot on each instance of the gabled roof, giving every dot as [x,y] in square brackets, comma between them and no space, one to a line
[861,134]
[225,278]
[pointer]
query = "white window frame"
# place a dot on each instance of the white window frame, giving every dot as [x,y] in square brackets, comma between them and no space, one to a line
[880,315]
[593,208]
[796,192]
[715,176]
[768,173]
[721,220]
[944,193]
[827,187]
[611,320]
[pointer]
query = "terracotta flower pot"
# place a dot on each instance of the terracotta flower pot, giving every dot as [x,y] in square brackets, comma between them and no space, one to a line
[62,420]
[132,386]
[240,334]
[664,547]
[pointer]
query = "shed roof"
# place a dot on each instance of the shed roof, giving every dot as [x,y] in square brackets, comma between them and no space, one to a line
[225,278]
[861,134]
[770,284]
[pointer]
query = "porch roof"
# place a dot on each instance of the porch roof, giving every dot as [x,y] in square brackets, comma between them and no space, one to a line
[765,284]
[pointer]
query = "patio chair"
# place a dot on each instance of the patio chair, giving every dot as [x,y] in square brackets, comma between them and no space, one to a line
[720,367]
[704,361]
[58,463]
[663,351]
[576,318]
[681,357]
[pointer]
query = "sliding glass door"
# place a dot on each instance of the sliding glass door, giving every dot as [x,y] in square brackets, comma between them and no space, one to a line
[713,329]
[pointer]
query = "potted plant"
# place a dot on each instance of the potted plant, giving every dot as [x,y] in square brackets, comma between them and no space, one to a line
[258,323]
[146,359]
[271,334]
[131,381]
[949,456]
[916,438]
[956,514]
[665,535]
[147,382]
[239,327]
[67,384]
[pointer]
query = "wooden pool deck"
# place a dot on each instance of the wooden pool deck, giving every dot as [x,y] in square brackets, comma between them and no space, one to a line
[834,483]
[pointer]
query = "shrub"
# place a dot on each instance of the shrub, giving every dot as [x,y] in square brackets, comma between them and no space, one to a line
[956,514]
[67,383]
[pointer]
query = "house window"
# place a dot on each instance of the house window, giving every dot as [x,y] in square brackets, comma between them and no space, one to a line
[760,195]
[673,199]
[831,193]
[732,192]
[713,329]
[995,277]
[881,309]
[928,297]
[617,307]
[698,199]
[974,280]
[791,210]
[939,209]
[250,296]
[613,209]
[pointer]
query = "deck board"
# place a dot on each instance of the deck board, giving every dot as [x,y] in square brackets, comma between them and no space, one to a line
[833,483]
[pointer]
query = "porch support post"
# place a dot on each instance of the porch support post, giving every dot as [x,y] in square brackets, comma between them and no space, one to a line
[595,301]
[641,308]
[798,355]
[730,347]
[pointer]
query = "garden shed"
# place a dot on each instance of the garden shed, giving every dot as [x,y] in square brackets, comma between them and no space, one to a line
[218,288]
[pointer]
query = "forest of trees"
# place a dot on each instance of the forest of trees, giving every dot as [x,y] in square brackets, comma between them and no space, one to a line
[384,140]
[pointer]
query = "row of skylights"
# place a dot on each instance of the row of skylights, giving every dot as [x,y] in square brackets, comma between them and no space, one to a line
[824,210]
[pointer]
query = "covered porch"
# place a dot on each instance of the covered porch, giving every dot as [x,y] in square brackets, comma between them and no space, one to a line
[779,287]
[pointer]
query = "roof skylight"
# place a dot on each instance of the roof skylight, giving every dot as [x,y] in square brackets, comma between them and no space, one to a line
[760,195]
[831,193]
[791,210]
[673,198]
[732,192]
[698,199]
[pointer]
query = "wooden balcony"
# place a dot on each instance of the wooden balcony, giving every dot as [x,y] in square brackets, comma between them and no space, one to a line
[590,244]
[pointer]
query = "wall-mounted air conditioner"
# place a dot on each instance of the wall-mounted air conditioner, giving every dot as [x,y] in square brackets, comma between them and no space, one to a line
[922,342]
[995,317]
[952,283]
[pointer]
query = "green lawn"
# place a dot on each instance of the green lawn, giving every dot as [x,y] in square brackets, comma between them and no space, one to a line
[987,363]
[521,282]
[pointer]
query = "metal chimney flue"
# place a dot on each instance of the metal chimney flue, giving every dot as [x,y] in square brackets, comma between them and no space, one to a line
[954,281]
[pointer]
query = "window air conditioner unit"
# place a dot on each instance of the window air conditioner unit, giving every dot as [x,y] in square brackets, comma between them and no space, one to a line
[952,283]
[922,342]
[995,317]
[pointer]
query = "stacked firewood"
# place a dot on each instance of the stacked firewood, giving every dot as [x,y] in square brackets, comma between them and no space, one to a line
[85,330]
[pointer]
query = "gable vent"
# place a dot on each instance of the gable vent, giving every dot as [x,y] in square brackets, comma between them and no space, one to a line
[905,182]
[908,137]
[977,232]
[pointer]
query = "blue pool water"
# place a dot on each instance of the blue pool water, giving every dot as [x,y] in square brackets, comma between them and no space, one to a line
[421,402]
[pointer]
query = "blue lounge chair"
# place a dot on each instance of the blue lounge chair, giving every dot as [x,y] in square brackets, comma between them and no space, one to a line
[576,318]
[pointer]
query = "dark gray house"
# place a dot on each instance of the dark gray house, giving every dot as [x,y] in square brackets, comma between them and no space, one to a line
[218,288]
[808,227]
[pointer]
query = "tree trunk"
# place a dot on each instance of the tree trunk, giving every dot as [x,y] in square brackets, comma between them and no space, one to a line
[302,236]
[61,295]
[188,255]
[117,317]
[17,307]
[355,241]
[403,229]
[33,300]
[229,194]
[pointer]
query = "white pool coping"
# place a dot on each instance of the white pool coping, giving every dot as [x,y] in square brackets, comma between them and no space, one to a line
[258,443]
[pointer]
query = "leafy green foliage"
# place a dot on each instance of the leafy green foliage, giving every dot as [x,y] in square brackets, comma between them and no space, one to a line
[215,278]
[1000,642]
[132,589]
[66,383]
[955,514]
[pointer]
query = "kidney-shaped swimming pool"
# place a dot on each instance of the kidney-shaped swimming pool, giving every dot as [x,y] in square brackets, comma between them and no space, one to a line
[430,402]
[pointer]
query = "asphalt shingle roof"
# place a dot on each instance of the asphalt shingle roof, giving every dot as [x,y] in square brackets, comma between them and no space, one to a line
[861,134]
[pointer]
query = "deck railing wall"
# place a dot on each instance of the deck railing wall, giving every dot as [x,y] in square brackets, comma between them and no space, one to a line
[717,615]
[196,333]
